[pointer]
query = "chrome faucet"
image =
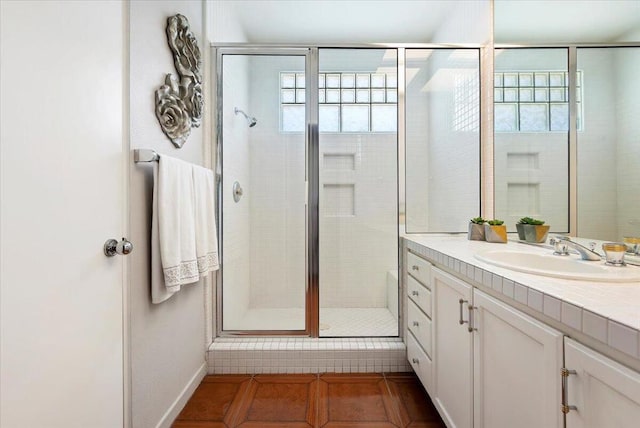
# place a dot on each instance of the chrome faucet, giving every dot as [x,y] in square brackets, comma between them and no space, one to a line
[561,244]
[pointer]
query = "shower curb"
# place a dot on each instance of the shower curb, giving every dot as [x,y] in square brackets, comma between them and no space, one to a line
[256,355]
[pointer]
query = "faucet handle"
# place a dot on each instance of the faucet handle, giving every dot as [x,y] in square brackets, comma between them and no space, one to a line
[559,245]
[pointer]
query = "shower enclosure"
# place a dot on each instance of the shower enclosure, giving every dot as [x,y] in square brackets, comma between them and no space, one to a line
[308,174]
[309,212]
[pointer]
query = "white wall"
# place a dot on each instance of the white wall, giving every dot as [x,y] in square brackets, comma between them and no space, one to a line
[167,340]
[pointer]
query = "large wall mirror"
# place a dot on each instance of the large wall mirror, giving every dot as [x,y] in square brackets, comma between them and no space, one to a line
[567,146]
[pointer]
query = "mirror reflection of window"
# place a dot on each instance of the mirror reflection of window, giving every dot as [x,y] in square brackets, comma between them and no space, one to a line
[531,123]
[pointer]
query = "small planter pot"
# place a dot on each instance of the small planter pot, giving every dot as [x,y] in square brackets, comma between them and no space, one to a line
[535,233]
[495,233]
[476,232]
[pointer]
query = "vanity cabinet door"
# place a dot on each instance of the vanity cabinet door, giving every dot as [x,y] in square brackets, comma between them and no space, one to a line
[517,363]
[452,350]
[605,393]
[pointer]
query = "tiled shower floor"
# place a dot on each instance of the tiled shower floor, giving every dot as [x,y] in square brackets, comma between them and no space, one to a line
[334,322]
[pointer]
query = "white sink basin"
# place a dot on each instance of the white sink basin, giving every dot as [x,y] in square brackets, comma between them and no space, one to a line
[568,267]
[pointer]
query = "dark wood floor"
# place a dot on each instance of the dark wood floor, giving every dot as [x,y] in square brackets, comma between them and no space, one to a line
[303,401]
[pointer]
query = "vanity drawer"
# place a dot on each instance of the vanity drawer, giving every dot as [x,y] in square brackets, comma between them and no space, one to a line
[419,268]
[420,362]
[420,325]
[420,294]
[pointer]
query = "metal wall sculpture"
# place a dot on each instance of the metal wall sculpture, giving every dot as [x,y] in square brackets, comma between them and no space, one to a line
[179,102]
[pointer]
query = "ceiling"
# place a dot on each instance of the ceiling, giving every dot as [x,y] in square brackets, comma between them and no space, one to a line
[339,21]
[416,21]
[554,21]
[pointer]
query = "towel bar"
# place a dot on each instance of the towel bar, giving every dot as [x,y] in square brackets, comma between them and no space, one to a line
[145,155]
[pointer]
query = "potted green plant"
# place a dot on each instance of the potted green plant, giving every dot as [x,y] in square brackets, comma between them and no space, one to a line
[495,231]
[476,229]
[532,230]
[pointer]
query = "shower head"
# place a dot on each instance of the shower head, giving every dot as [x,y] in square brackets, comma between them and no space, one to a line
[252,120]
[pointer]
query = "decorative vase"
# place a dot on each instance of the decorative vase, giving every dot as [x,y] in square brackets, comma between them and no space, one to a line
[495,233]
[476,232]
[535,233]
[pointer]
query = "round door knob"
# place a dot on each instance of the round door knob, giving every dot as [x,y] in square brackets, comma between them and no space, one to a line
[113,247]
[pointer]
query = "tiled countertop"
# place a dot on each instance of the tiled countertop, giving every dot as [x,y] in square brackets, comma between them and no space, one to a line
[606,311]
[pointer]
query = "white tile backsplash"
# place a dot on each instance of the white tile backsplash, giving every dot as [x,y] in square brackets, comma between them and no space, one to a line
[595,325]
[520,294]
[572,316]
[623,338]
[496,283]
[508,288]
[535,300]
[552,307]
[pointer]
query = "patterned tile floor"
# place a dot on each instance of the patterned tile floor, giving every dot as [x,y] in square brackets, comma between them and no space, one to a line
[368,400]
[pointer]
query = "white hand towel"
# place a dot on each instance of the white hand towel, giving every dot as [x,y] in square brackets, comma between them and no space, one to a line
[173,227]
[205,220]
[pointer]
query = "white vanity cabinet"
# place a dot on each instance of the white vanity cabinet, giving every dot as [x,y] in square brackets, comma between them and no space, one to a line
[419,315]
[492,366]
[453,347]
[603,392]
[517,362]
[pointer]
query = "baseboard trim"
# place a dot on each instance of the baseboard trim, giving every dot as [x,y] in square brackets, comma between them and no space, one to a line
[176,407]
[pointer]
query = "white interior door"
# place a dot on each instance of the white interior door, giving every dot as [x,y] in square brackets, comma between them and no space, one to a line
[61,352]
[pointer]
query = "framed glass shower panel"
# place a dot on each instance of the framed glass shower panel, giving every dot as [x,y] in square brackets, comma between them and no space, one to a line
[442,139]
[358,192]
[263,192]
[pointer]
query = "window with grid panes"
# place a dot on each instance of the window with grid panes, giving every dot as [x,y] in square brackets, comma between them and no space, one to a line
[349,102]
[534,101]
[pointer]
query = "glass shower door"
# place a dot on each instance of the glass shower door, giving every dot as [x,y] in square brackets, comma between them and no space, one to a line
[358,192]
[263,226]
